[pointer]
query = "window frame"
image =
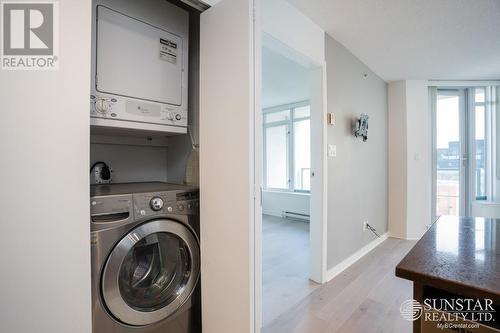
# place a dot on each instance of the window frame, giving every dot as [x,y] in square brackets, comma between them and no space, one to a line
[290,143]
[464,181]
[489,130]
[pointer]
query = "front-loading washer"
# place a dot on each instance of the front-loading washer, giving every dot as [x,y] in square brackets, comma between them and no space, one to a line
[145,258]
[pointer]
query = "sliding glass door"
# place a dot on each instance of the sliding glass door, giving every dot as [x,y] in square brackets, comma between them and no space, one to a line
[464,128]
[450,152]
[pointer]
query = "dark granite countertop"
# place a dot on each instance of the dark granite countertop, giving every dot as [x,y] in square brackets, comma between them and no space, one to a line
[457,254]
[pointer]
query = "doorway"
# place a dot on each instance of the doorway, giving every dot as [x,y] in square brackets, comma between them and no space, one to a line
[450,145]
[288,105]
[464,149]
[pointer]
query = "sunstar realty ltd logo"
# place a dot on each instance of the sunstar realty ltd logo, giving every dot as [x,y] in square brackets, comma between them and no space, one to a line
[411,310]
[449,311]
[29,35]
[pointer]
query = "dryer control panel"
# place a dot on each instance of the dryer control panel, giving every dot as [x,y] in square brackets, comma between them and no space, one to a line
[114,107]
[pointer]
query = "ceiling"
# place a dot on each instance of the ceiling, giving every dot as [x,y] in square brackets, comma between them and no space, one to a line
[415,39]
[283,80]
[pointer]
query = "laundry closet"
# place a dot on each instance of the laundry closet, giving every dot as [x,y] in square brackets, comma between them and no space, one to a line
[144,167]
[199,125]
[53,131]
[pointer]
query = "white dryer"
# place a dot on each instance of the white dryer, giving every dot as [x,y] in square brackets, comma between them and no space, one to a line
[139,75]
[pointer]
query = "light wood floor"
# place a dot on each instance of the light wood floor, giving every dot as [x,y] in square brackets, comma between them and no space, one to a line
[285,266]
[364,298]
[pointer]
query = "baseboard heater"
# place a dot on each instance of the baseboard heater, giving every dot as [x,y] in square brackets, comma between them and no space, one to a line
[295,216]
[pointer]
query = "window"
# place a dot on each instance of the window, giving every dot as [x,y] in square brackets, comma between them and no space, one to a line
[465,123]
[287,144]
[480,143]
[447,150]
[277,156]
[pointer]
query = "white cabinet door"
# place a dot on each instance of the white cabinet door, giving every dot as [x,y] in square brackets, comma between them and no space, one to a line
[227,100]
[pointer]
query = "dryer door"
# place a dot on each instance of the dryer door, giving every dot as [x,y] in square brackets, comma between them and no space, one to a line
[151,272]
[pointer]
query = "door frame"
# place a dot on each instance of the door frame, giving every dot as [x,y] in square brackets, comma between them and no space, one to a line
[319,176]
[319,184]
[464,128]
[246,234]
[228,197]
[258,169]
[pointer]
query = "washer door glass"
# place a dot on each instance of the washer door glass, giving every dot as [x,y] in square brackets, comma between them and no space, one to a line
[151,272]
[155,271]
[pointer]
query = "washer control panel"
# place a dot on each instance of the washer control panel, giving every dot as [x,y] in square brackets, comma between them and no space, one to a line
[175,202]
[156,203]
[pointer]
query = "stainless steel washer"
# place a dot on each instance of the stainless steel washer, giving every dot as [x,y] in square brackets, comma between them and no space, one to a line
[145,258]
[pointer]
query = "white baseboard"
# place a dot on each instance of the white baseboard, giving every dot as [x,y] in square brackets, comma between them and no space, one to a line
[408,237]
[339,268]
[415,236]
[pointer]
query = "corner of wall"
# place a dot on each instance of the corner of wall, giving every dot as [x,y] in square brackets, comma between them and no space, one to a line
[397,162]
[419,158]
[410,158]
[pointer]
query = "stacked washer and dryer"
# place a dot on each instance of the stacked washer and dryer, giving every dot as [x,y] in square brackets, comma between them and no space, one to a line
[144,236]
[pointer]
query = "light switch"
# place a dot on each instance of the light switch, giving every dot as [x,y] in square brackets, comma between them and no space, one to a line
[332,150]
[331,118]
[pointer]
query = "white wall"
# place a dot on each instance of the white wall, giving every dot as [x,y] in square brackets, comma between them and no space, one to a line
[397,159]
[226,167]
[276,202]
[44,206]
[289,26]
[419,158]
[410,159]
[284,81]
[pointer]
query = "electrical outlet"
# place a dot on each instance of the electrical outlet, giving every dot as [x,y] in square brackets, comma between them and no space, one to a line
[365,226]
